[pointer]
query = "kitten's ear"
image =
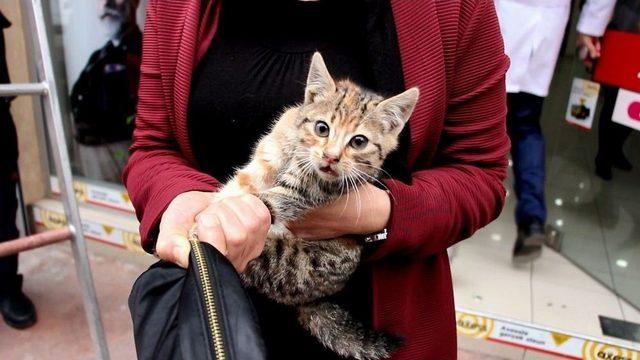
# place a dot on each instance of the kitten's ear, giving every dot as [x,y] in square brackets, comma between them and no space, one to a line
[395,111]
[319,81]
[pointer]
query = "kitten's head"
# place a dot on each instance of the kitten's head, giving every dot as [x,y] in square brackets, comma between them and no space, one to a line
[346,131]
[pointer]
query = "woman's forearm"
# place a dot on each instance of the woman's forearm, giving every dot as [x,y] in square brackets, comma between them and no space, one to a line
[364,211]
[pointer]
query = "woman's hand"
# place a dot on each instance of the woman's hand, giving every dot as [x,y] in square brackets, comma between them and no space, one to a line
[592,43]
[593,49]
[365,213]
[236,226]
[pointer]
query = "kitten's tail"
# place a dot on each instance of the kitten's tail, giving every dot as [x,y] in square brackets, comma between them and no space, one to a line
[337,330]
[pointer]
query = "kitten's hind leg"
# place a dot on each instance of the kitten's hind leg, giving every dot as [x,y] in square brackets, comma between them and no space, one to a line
[295,271]
[338,331]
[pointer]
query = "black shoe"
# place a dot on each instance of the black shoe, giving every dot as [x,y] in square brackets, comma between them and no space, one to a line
[622,163]
[17,309]
[603,169]
[528,247]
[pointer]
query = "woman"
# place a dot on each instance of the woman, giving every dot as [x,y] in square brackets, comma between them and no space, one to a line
[215,73]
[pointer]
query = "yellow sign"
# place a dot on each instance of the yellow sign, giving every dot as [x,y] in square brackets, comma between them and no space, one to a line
[125,197]
[81,190]
[596,351]
[559,338]
[475,326]
[132,241]
[108,229]
[52,220]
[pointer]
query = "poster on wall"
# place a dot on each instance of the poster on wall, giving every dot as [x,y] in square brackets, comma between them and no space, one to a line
[627,109]
[582,103]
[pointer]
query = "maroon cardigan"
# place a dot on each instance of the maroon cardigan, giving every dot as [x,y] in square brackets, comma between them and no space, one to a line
[453,51]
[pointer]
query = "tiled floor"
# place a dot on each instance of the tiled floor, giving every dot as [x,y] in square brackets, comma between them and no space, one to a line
[552,291]
[62,332]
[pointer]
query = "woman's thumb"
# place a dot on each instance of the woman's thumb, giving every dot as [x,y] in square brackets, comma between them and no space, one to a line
[173,246]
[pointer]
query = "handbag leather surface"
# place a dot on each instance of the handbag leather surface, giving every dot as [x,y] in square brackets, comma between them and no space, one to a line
[202,312]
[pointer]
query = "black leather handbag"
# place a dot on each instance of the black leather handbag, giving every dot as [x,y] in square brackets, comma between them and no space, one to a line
[201,313]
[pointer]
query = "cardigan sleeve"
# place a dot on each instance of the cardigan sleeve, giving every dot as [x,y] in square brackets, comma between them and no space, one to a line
[462,190]
[157,171]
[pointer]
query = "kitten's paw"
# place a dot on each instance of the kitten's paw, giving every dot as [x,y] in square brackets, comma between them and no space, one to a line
[279,231]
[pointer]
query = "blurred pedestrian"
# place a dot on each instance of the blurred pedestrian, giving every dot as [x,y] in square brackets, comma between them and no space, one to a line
[533,31]
[17,310]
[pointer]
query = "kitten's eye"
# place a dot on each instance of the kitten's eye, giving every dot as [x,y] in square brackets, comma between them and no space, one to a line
[322,129]
[359,142]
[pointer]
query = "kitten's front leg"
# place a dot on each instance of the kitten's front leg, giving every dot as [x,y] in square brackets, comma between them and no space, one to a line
[259,174]
[285,204]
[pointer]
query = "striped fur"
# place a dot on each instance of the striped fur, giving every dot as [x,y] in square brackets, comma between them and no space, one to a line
[291,173]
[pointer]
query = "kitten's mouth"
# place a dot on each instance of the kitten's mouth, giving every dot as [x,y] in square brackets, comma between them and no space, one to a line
[328,170]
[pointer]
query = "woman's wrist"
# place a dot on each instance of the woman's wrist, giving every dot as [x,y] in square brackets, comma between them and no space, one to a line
[375,214]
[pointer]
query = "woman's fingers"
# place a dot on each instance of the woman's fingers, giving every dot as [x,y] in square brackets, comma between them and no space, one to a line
[209,230]
[172,243]
[173,246]
[255,219]
[263,216]
[236,226]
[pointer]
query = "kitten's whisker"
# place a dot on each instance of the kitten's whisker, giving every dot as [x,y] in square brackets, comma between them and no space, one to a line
[342,184]
[346,202]
[385,172]
[364,181]
[377,168]
[393,198]
[358,200]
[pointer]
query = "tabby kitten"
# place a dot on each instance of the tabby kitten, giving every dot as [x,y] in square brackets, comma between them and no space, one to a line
[316,151]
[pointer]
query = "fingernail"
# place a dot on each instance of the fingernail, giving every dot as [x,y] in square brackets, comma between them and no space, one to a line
[181,252]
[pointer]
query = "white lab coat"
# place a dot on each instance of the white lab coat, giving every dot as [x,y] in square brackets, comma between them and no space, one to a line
[533,31]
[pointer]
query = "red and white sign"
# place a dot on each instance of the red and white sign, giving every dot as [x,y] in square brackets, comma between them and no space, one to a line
[627,109]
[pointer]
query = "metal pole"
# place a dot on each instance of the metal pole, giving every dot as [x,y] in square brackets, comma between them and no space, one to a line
[34,241]
[60,154]
[23,89]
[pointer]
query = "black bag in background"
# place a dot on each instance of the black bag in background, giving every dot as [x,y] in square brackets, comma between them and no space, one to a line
[201,313]
[103,99]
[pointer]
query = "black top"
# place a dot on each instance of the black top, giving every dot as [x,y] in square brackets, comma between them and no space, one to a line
[256,65]
[8,137]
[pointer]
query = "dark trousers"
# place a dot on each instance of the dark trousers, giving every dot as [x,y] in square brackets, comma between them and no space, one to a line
[9,279]
[611,136]
[527,154]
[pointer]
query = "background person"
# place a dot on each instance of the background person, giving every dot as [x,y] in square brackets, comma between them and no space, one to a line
[533,31]
[16,308]
[611,135]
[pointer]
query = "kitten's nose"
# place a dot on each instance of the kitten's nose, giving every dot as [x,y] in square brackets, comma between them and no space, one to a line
[330,158]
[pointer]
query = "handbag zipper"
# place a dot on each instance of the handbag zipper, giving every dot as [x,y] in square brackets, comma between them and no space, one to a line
[209,301]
